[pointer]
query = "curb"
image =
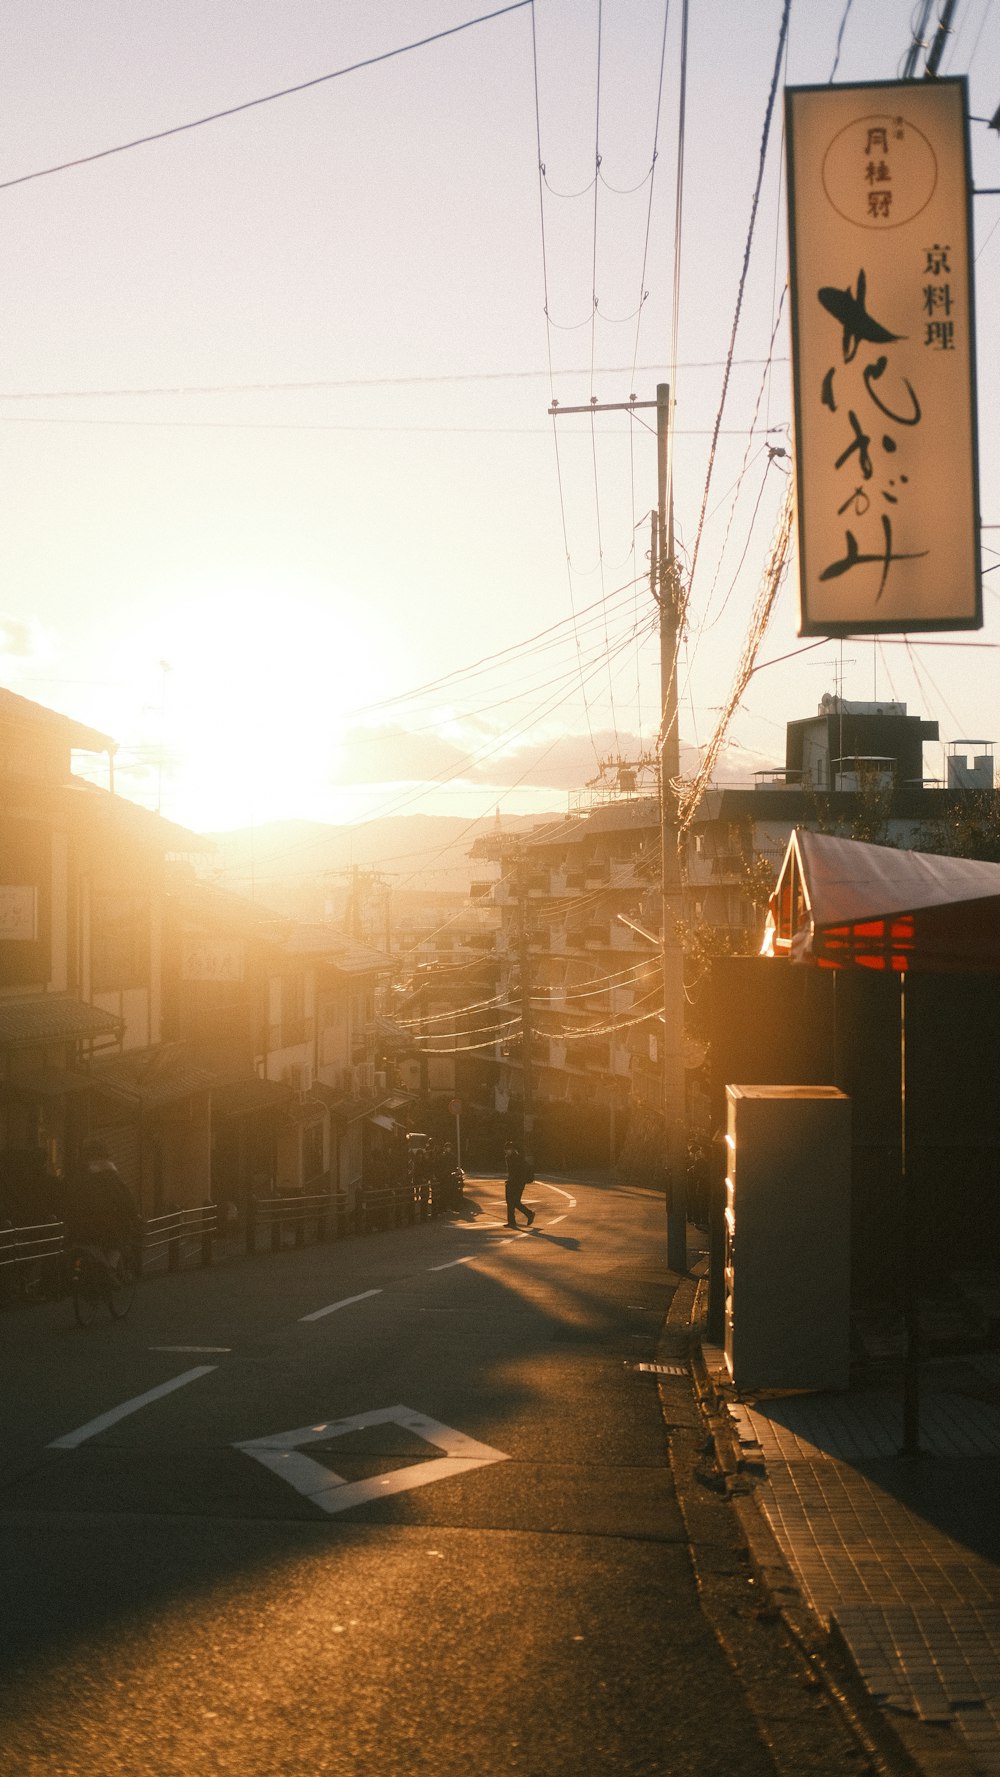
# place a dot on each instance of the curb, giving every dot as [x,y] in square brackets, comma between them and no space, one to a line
[897,1747]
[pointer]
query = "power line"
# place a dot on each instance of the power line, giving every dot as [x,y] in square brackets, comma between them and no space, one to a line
[782,35]
[354,382]
[285,92]
[649,206]
[840,40]
[548,350]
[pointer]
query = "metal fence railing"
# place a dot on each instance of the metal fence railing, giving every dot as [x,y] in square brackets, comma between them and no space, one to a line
[181,1234]
[32,1258]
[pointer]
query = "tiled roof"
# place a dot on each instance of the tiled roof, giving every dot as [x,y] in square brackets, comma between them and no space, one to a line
[47,1082]
[130,820]
[52,1017]
[238,1098]
[345,953]
[24,713]
[153,1076]
[641,812]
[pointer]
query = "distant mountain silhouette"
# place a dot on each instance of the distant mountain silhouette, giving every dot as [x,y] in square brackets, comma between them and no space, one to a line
[426,852]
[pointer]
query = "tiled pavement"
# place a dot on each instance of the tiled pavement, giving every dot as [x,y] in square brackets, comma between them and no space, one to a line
[900,1557]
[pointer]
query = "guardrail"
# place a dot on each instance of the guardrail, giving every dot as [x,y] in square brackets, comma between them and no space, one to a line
[25,1246]
[31,1257]
[278,1216]
[180,1232]
[31,1260]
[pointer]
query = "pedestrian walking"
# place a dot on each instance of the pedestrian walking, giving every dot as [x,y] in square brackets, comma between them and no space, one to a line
[517,1178]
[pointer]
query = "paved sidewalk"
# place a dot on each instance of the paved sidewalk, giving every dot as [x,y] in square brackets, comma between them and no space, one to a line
[899,1557]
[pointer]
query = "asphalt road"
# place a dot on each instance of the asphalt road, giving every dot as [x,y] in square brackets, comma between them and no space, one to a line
[396,1504]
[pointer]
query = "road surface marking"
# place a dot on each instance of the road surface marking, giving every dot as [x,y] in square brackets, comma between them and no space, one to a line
[191,1348]
[318,1313]
[101,1423]
[447,1267]
[282,1454]
[571,1201]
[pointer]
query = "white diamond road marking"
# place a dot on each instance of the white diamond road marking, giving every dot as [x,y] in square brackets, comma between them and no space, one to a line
[282,1454]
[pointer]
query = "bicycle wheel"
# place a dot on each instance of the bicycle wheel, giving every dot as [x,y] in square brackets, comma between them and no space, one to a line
[86,1293]
[122,1291]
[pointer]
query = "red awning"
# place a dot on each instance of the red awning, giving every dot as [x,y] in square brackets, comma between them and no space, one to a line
[843,903]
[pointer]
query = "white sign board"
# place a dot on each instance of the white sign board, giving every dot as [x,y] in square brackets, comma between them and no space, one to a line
[18,912]
[883,355]
[212,959]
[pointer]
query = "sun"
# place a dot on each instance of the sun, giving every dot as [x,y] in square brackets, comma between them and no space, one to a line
[247,686]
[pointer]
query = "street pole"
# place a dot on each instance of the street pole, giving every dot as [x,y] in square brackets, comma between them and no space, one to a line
[524,957]
[665,583]
[668,598]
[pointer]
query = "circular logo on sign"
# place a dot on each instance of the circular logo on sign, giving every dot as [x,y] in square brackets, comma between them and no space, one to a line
[879,172]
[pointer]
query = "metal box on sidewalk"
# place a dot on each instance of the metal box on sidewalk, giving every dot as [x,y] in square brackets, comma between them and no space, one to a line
[788,1231]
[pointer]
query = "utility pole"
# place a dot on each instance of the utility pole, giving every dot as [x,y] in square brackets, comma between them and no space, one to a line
[669,600]
[524,963]
[665,586]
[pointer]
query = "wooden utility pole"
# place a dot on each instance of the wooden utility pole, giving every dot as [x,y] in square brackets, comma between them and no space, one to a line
[668,598]
[524,965]
[665,584]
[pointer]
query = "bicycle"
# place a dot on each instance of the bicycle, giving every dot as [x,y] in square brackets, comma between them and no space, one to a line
[101,1275]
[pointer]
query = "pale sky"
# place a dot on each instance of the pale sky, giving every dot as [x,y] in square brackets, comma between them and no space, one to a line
[282,508]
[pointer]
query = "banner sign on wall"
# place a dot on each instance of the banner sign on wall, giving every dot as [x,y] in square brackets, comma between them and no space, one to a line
[212,959]
[883,357]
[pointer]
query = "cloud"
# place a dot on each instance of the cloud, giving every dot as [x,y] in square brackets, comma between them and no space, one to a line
[549,761]
[390,754]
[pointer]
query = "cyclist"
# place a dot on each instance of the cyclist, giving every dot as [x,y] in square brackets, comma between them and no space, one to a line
[100,1213]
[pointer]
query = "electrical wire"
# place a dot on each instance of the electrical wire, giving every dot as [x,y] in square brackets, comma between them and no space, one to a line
[762,161]
[918,39]
[616,984]
[690,794]
[675,300]
[651,177]
[286,92]
[352,382]
[593,336]
[738,484]
[497,1031]
[560,1036]
[499,1000]
[840,40]
[548,348]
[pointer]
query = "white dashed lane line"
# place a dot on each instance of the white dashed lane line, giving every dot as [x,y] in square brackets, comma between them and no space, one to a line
[193,1349]
[346,1302]
[449,1264]
[73,1438]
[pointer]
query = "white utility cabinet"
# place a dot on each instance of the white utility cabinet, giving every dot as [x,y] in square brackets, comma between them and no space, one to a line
[788,1237]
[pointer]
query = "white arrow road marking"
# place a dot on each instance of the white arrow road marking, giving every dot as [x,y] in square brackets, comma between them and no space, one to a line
[318,1313]
[93,1426]
[281,1453]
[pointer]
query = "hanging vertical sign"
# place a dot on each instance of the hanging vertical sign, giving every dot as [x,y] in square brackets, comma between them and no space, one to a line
[883,357]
